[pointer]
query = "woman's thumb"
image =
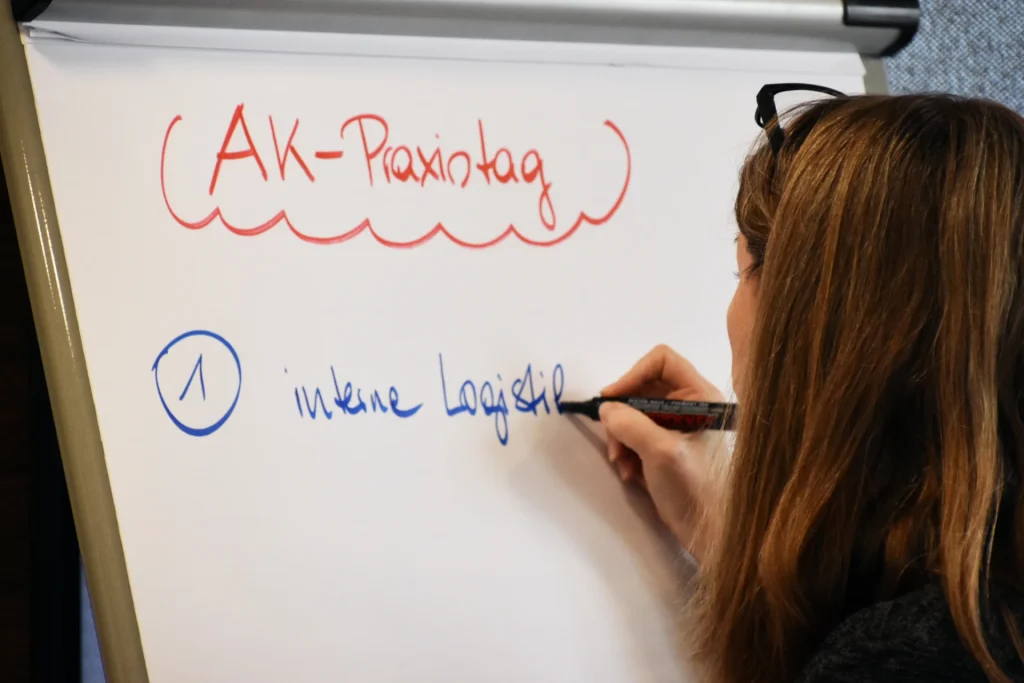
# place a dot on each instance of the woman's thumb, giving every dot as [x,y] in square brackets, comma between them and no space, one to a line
[635,430]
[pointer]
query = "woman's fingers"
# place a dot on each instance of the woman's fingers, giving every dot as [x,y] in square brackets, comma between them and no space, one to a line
[665,366]
[668,465]
[616,451]
[630,470]
[630,429]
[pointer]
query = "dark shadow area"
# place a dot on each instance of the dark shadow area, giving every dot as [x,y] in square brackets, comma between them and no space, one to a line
[40,596]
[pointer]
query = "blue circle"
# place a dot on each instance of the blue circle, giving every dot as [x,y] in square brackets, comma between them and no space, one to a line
[197,431]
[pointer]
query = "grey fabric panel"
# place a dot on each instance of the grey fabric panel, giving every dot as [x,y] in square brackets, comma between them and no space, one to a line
[966,47]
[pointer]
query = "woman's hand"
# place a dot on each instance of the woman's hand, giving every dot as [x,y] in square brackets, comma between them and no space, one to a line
[675,468]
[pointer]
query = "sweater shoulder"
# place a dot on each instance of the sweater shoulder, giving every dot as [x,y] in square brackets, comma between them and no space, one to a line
[909,639]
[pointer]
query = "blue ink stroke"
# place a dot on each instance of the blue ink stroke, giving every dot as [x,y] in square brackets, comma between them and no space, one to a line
[202,385]
[210,429]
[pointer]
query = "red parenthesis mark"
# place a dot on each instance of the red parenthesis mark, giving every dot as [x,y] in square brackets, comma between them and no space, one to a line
[367,226]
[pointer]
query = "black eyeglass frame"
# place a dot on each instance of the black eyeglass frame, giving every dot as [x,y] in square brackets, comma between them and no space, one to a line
[766,110]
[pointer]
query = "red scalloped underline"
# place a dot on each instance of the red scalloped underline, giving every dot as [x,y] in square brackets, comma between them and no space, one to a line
[367,226]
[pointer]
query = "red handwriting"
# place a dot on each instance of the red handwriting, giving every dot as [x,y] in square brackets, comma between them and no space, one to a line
[400,164]
[390,164]
[224,155]
[289,148]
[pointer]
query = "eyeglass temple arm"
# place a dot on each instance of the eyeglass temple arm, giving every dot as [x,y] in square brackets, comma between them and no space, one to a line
[766,110]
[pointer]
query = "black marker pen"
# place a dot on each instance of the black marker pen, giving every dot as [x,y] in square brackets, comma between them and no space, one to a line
[682,416]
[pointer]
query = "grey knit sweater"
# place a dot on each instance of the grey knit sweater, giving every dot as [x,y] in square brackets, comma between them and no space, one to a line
[909,640]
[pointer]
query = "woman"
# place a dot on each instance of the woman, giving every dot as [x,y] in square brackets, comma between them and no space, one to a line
[870,525]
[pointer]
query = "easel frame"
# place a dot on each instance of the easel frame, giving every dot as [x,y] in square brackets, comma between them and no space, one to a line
[56,323]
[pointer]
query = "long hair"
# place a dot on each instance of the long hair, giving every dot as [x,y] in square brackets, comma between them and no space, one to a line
[880,441]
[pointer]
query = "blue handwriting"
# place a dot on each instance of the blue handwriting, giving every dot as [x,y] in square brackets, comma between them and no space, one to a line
[490,399]
[348,400]
[524,396]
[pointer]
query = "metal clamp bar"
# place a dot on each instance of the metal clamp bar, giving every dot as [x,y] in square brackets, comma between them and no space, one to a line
[759,24]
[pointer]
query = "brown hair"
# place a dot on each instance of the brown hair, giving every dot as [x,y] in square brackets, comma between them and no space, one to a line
[881,439]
